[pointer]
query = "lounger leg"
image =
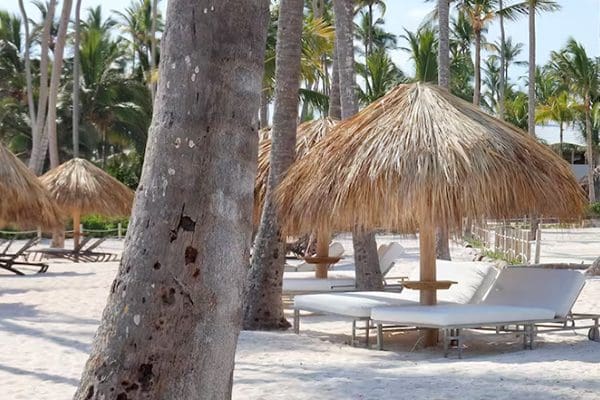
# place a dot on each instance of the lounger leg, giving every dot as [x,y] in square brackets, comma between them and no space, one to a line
[368,330]
[459,343]
[296,321]
[447,339]
[11,269]
[353,342]
[379,337]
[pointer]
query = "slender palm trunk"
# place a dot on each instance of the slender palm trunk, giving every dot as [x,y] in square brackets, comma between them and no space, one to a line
[502,82]
[55,82]
[39,144]
[370,33]
[560,146]
[368,274]
[76,68]
[28,78]
[263,307]
[477,89]
[264,109]
[442,237]
[531,86]
[590,149]
[171,324]
[153,47]
[335,108]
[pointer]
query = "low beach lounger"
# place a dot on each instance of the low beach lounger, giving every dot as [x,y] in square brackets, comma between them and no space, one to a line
[83,252]
[337,279]
[474,280]
[531,298]
[335,250]
[8,260]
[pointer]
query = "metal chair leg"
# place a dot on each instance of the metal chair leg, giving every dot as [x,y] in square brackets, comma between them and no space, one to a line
[296,321]
[379,337]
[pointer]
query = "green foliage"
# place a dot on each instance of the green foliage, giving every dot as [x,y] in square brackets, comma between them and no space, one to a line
[593,210]
[100,223]
[127,168]
[423,49]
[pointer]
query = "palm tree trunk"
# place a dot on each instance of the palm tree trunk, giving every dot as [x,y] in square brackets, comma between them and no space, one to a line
[477,89]
[38,149]
[335,108]
[531,86]
[590,149]
[441,238]
[76,67]
[368,273]
[171,324]
[370,32]
[153,46]
[55,82]
[263,307]
[502,82]
[560,146]
[28,78]
[264,109]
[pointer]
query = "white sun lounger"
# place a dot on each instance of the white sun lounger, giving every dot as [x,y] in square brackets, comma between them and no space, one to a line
[336,249]
[474,280]
[527,297]
[341,279]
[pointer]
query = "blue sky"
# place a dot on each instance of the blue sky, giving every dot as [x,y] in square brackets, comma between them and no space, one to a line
[577,18]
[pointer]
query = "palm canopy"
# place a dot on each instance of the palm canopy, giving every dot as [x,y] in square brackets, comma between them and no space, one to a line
[24,201]
[307,135]
[420,153]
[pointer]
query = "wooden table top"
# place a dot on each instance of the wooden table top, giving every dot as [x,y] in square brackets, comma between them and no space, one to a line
[428,285]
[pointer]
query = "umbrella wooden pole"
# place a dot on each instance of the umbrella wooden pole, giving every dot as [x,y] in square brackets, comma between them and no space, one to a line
[322,251]
[427,272]
[76,232]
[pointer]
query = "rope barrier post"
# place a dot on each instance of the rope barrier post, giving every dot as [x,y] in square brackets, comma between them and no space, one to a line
[39,233]
[119,230]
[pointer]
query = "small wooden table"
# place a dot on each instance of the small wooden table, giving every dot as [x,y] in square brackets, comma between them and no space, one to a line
[428,285]
[322,264]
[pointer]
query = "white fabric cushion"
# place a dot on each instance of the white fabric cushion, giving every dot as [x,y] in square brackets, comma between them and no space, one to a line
[306,281]
[474,280]
[448,315]
[388,257]
[537,287]
[351,304]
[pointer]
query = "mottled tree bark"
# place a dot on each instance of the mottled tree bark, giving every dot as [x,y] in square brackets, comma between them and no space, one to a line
[477,88]
[170,327]
[502,82]
[76,68]
[442,246]
[38,144]
[263,307]
[153,47]
[335,108]
[264,109]
[27,60]
[368,273]
[531,84]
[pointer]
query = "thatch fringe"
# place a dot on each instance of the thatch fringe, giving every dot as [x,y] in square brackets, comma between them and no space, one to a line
[79,186]
[420,152]
[24,202]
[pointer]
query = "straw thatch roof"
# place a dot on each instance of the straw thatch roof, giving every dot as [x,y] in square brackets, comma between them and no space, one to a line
[24,201]
[308,133]
[418,153]
[78,185]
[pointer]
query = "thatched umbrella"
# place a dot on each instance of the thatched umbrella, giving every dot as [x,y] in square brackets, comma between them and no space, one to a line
[23,199]
[307,135]
[418,158]
[79,188]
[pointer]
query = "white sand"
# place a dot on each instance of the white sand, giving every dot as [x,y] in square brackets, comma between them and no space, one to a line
[47,323]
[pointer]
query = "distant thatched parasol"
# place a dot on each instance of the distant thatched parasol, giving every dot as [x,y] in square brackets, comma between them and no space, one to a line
[23,199]
[308,134]
[418,158]
[79,188]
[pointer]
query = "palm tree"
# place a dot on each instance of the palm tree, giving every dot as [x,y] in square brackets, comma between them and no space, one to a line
[423,49]
[582,74]
[373,36]
[368,22]
[264,306]
[380,75]
[559,108]
[76,69]
[516,109]
[492,82]
[461,62]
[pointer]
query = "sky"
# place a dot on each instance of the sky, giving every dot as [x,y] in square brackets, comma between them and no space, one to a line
[579,19]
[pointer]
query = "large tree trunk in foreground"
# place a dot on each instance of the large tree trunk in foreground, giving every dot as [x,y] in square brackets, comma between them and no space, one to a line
[27,59]
[38,144]
[55,82]
[170,327]
[368,273]
[442,246]
[263,307]
[76,68]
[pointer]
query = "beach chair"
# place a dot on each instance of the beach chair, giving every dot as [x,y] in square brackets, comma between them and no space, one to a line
[342,278]
[524,300]
[335,250]
[83,252]
[9,261]
[474,281]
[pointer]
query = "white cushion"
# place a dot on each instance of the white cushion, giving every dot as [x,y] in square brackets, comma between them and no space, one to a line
[306,281]
[388,257]
[351,304]
[448,315]
[474,280]
[537,287]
